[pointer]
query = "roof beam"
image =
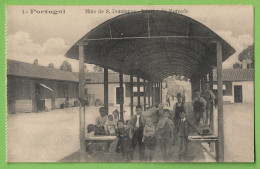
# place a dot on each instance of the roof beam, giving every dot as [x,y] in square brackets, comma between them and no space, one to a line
[151,37]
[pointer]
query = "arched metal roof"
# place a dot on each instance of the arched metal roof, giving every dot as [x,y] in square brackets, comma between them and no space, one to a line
[152,45]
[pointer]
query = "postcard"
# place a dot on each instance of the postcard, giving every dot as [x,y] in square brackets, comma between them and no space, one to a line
[165,83]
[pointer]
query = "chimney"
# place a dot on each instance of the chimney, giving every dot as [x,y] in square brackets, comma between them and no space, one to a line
[246,63]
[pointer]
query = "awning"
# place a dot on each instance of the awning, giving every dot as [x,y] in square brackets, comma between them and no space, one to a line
[152,46]
[43,85]
[215,87]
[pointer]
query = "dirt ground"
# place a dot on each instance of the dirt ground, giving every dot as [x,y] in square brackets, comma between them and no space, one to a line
[54,136]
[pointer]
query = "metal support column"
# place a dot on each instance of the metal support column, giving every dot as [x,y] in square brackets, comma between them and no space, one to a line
[161,92]
[211,120]
[149,94]
[220,104]
[106,89]
[82,103]
[212,106]
[132,95]
[144,88]
[201,83]
[153,93]
[138,91]
[121,96]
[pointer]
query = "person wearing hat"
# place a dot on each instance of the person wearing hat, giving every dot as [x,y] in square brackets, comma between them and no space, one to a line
[178,107]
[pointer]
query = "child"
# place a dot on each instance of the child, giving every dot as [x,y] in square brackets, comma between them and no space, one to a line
[149,139]
[182,130]
[110,125]
[124,140]
[199,107]
[116,115]
[165,130]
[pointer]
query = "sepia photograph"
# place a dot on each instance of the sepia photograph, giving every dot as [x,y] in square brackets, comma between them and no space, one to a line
[162,84]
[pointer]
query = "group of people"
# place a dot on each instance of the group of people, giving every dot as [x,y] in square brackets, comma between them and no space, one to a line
[202,104]
[156,128]
[159,127]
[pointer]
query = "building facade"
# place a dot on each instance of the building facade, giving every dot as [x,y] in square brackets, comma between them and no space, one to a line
[238,85]
[33,88]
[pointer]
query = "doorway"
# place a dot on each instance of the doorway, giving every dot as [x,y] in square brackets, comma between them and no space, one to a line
[238,98]
[40,103]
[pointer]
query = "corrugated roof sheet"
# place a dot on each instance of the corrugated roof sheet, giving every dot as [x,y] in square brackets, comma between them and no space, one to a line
[235,75]
[22,69]
[174,44]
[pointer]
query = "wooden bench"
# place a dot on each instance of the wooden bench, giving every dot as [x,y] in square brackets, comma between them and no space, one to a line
[101,141]
[198,139]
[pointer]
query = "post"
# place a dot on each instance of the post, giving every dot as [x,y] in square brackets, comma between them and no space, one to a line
[132,95]
[153,93]
[82,104]
[144,87]
[138,90]
[121,96]
[149,94]
[211,109]
[212,106]
[220,104]
[161,92]
[106,89]
[201,83]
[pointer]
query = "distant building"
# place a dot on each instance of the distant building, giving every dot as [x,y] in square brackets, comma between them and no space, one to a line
[238,85]
[32,88]
[95,88]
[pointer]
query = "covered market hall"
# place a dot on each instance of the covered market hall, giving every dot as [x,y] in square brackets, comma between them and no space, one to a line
[152,46]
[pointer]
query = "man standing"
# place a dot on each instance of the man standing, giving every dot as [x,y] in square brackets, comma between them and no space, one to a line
[136,124]
[209,96]
[199,106]
[178,107]
[155,113]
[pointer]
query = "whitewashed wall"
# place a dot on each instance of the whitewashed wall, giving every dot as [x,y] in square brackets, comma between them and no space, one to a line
[247,91]
[23,106]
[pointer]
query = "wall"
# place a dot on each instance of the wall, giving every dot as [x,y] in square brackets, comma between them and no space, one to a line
[48,104]
[228,99]
[23,106]
[247,91]
[21,88]
[98,91]
[58,102]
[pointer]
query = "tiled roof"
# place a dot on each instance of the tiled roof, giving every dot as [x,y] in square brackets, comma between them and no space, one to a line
[228,75]
[22,69]
[17,68]
[235,75]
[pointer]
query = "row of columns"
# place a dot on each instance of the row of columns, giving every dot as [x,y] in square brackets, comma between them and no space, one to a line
[82,96]
[198,83]
[149,89]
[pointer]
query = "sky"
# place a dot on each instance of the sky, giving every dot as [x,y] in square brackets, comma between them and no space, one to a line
[47,37]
